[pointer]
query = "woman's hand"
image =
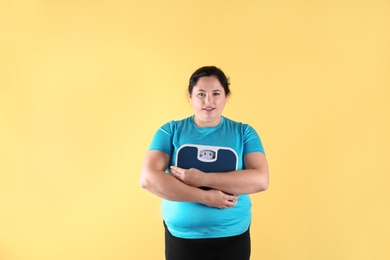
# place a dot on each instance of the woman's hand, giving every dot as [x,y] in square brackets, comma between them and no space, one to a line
[219,199]
[192,177]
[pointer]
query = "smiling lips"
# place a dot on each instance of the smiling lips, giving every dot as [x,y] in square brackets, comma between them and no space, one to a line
[208,109]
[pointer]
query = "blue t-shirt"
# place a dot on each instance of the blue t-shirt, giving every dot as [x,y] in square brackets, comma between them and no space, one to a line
[210,149]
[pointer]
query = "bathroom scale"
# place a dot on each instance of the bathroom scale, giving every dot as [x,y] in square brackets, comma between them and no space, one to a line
[207,158]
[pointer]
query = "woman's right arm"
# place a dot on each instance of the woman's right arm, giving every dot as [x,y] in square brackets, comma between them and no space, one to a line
[157,181]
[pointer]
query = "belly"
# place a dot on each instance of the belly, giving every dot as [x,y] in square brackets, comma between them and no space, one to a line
[185,217]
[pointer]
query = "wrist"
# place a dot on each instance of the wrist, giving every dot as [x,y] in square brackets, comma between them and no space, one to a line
[203,197]
[206,180]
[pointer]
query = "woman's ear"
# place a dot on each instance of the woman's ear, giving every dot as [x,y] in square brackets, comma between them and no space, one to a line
[227,98]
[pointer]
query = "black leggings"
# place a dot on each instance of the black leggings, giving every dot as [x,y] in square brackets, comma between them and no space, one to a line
[226,248]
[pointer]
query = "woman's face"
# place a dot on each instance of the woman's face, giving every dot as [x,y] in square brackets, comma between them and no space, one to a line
[208,100]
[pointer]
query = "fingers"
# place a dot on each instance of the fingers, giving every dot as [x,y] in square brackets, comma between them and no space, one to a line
[192,176]
[173,169]
[231,201]
[176,171]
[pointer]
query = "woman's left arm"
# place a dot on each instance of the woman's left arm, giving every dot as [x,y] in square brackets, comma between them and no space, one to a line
[254,178]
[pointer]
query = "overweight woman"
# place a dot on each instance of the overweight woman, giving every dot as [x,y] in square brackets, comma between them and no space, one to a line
[204,167]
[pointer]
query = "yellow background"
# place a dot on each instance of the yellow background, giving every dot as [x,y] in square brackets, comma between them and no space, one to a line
[85,84]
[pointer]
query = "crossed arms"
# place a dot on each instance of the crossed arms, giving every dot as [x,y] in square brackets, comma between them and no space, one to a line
[182,184]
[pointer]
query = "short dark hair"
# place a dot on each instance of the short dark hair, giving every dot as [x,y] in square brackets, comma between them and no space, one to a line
[208,71]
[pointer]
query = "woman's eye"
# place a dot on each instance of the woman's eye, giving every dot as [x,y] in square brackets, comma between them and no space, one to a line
[201,94]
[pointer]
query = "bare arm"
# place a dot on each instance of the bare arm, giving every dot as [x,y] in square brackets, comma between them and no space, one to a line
[254,178]
[155,180]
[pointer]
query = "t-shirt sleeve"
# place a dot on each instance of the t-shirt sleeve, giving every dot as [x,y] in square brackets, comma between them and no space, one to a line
[162,139]
[252,142]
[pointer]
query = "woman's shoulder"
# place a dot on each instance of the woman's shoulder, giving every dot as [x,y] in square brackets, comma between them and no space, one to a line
[235,123]
[242,127]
